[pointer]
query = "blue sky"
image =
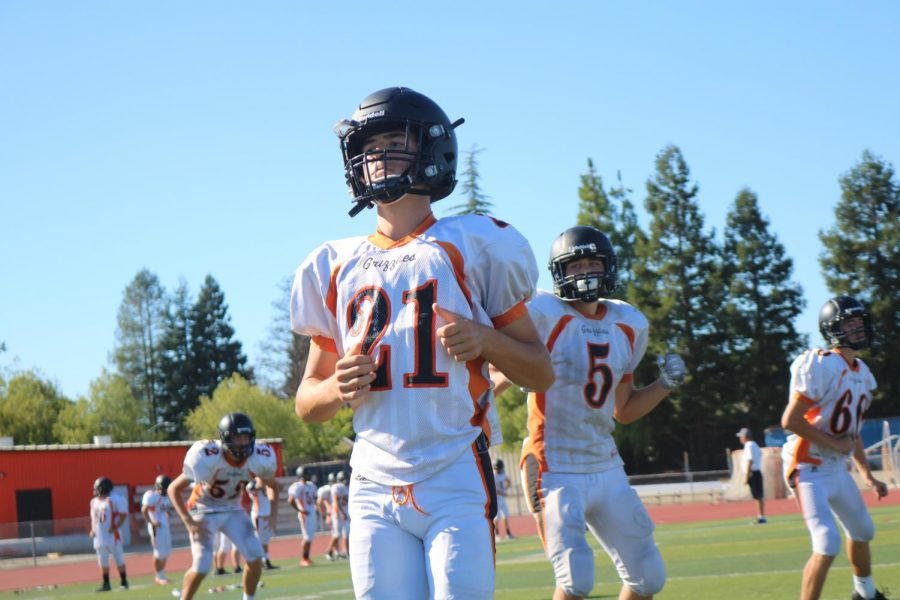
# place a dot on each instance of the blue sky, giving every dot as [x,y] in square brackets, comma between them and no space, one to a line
[195,137]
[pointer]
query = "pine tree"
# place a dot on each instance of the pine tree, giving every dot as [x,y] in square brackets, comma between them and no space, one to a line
[677,285]
[180,392]
[612,212]
[140,325]
[762,305]
[476,200]
[862,259]
[214,353]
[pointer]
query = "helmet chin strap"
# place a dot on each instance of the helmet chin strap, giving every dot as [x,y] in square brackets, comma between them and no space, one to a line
[371,200]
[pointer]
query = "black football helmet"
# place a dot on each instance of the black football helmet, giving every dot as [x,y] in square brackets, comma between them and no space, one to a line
[234,424]
[103,486]
[162,483]
[498,464]
[834,312]
[430,151]
[581,242]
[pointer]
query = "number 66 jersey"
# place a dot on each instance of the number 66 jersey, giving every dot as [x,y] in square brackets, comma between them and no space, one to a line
[374,295]
[219,482]
[837,394]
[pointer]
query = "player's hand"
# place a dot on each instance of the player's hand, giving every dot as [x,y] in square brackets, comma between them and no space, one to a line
[354,374]
[462,338]
[672,371]
[880,487]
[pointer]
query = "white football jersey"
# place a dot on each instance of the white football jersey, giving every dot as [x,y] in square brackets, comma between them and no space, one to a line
[570,425]
[104,512]
[260,506]
[837,394]
[218,483]
[304,494]
[340,496]
[158,505]
[501,482]
[324,494]
[374,295]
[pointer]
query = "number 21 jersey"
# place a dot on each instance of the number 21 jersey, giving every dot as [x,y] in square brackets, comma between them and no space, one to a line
[374,295]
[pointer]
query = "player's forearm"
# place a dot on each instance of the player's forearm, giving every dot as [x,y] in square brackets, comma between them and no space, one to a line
[861,462]
[317,399]
[795,422]
[640,402]
[526,364]
[500,381]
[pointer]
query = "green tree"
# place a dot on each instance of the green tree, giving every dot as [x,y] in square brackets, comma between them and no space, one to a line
[272,417]
[513,409]
[179,390]
[763,303]
[861,258]
[613,213]
[110,409]
[214,353]
[29,406]
[476,200]
[678,286]
[284,353]
[140,325]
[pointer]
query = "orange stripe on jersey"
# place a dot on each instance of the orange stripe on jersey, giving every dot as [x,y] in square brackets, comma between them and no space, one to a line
[325,343]
[331,296]
[803,399]
[478,385]
[626,378]
[459,271]
[195,495]
[560,325]
[385,243]
[537,403]
[510,316]
[629,333]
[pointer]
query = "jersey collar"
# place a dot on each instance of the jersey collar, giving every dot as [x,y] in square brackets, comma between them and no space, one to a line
[385,243]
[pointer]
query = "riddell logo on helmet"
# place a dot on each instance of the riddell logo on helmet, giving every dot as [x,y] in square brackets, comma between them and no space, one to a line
[374,114]
[592,247]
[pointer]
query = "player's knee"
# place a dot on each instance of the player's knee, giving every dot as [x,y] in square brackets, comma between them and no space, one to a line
[827,543]
[864,532]
[576,575]
[652,577]
[202,564]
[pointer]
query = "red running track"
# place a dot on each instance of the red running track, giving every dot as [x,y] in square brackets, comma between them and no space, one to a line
[142,564]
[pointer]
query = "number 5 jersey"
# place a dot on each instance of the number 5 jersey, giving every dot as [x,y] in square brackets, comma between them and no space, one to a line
[374,295]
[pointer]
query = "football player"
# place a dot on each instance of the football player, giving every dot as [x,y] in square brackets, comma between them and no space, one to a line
[155,507]
[340,519]
[219,470]
[261,515]
[108,513]
[501,480]
[830,391]
[403,323]
[571,469]
[302,498]
[323,503]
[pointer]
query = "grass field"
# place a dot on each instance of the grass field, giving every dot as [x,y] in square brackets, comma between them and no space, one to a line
[715,560]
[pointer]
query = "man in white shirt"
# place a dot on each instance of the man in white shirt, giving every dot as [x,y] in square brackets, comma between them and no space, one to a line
[752,461]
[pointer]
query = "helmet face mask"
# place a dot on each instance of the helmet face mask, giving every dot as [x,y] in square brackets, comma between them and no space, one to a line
[428,154]
[577,243]
[840,310]
[233,425]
